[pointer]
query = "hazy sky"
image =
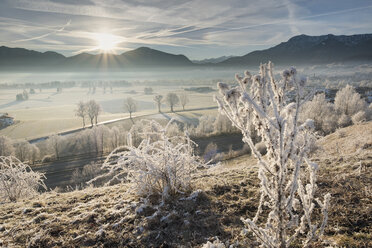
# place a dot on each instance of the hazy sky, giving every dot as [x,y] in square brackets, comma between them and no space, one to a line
[199,29]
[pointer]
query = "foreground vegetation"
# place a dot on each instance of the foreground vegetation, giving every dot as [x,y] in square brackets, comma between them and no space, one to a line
[167,190]
[111,217]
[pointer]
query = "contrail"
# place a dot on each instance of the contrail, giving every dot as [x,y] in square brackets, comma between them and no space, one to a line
[45,35]
[299,18]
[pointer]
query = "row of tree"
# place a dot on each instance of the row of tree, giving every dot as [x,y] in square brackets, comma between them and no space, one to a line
[172,99]
[90,109]
[97,141]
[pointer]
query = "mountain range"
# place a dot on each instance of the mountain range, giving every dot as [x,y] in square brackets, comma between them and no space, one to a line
[212,60]
[301,49]
[304,49]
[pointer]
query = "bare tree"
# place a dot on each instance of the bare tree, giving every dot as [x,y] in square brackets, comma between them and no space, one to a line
[93,110]
[184,99]
[26,151]
[130,105]
[158,100]
[114,140]
[172,100]
[6,146]
[98,138]
[81,111]
[55,143]
[22,150]
[34,153]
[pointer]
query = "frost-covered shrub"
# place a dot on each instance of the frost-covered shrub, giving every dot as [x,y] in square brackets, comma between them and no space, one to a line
[173,130]
[205,125]
[321,112]
[6,146]
[349,102]
[210,152]
[17,180]
[88,172]
[344,120]
[216,244]
[48,158]
[287,187]
[222,124]
[261,148]
[359,117]
[160,164]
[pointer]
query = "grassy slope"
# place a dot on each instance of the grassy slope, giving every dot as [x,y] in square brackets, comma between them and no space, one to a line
[107,216]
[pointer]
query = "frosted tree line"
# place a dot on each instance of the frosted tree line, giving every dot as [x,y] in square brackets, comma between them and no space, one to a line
[96,141]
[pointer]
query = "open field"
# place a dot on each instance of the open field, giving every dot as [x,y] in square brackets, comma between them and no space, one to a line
[111,216]
[47,112]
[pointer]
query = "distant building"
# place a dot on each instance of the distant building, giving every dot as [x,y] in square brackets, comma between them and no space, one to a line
[6,120]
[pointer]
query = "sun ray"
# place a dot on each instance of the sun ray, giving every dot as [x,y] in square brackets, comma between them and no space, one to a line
[106,42]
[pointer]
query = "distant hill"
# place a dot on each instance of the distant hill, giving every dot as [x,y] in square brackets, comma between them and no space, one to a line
[19,58]
[140,57]
[304,49]
[212,60]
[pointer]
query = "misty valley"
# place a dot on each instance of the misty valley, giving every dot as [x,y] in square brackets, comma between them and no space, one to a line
[205,124]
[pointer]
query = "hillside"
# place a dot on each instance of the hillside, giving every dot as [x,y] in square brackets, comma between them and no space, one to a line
[21,58]
[304,49]
[112,217]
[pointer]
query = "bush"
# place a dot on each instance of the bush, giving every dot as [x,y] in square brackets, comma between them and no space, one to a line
[359,117]
[210,152]
[48,158]
[148,90]
[349,102]
[321,112]
[89,171]
[159,165]
[344,121]
[216,244]
[19,97]
[287,190]
[6,146]
[17,180]
[261,148]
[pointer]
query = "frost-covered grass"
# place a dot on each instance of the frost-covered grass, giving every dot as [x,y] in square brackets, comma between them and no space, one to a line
[108,216]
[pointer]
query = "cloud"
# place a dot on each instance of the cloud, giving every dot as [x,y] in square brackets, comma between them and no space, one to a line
[44,35]
[176,25]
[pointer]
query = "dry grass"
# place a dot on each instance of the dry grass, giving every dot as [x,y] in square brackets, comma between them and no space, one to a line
[110,217]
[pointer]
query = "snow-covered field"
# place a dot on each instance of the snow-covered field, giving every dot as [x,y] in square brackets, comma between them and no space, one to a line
[47,112]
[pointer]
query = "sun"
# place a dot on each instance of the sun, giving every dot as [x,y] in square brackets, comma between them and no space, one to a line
[107,42]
